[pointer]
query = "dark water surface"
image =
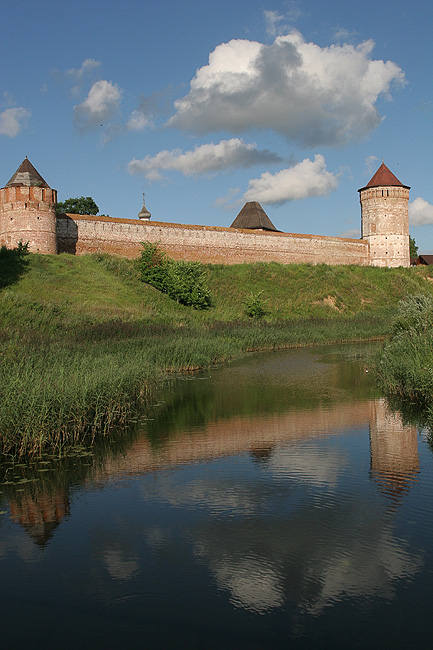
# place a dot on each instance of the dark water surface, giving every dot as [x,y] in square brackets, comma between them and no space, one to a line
[275,502]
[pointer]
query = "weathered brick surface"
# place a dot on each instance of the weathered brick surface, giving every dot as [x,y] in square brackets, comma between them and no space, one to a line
[385,224]
[27,214]
[84,234]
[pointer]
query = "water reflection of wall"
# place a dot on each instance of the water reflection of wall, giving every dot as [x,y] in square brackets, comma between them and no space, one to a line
[394,454]
[326,546]
[235,435]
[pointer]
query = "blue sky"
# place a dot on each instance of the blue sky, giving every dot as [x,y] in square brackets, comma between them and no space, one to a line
[205,105]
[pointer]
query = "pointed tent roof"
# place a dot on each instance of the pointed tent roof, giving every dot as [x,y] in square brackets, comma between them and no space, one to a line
[384,177]
[27,175]
[253,217]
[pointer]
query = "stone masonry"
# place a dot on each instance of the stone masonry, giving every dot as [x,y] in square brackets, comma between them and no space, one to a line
[385,219]
[27,213]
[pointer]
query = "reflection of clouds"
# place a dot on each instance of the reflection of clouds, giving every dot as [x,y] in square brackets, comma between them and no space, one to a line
[307,464]
[315,557]
[119,564]
[291,562]
[156,537]
[22,546]
[365,570]
[243,495]
[218,495]
[269,538]
[252,582]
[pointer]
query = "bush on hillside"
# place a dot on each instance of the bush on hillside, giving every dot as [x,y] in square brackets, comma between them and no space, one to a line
[255,305]
[185,282]
[13,263]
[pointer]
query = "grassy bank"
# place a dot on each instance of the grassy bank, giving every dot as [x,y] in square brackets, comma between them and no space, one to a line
[84,342]
[405,366]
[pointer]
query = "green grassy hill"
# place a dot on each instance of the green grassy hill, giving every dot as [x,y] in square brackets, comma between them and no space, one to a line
[74,292]
[83,339]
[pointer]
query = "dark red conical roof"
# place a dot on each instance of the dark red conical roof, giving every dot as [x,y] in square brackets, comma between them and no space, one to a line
[384,177]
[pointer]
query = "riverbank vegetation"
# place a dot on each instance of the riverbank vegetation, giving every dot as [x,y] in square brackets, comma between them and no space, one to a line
[405,366]
[84,342]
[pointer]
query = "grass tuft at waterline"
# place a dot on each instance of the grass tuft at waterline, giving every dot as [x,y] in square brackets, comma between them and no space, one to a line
[84,342]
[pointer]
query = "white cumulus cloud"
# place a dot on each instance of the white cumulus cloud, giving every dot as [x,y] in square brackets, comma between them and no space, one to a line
[420,212]
[138,121]
[100,105]
[307,178]
[307,93]
[13,120]
[204,159]
[88,66]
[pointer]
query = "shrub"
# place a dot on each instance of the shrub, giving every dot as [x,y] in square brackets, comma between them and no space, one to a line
[153,266]
[13,263]
[255,305]
[185,282]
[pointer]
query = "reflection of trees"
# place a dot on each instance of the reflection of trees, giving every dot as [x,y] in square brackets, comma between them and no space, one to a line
[265,383]
[39,499]
[261,453]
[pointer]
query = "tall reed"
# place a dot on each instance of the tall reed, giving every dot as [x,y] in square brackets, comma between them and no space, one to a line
[84,343]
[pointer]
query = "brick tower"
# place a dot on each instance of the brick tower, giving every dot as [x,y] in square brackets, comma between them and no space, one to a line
[28,211]
[385,219]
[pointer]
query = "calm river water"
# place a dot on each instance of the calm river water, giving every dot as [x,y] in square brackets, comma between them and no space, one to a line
[275,502]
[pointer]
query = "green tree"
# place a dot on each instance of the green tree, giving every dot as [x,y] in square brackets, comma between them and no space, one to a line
[81,205]
[413,248]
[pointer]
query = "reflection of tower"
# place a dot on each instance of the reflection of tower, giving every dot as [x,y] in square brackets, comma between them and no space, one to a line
[40,515]
[394,451]
[144,213]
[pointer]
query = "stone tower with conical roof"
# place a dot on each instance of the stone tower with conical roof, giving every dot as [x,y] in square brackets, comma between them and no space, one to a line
[28,211]
[385,219]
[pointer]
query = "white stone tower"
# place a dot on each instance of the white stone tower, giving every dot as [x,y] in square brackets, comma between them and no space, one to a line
[385,219]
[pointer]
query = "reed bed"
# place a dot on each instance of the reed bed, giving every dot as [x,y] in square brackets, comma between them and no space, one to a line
[84,344]
[405,366]
[52,397]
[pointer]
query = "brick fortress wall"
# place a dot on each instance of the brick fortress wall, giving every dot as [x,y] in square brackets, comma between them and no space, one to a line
[28,214]
[86,234]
